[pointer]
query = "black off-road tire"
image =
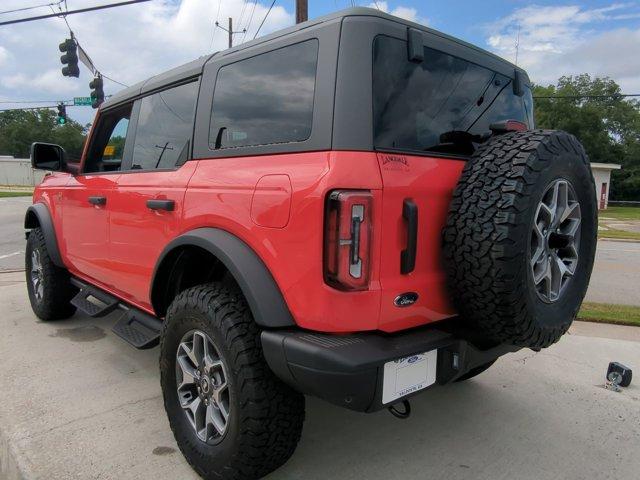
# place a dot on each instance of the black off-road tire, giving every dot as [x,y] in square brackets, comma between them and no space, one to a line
[474,372]
[57,290]
[487,237]
[266,416]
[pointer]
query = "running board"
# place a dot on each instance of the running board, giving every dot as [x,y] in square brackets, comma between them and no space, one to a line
[92,301]
[137,328]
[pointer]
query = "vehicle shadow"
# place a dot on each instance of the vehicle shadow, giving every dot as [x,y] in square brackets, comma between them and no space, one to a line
[445,423]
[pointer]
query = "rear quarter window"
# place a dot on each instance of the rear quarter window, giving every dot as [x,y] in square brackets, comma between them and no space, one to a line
[266,99]
[438,104]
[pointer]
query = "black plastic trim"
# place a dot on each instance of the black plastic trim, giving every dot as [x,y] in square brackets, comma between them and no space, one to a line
[157,204]
[415,44]
[265,300]
[408,256]
[41,213]
[347,370]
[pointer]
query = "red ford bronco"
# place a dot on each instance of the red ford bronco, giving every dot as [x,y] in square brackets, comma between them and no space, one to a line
[355,208]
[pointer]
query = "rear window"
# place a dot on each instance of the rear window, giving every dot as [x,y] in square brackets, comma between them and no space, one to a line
[265,99]
[438,105]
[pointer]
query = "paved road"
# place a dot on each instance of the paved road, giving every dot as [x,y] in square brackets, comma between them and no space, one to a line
[616,274]
[77,402]
[11,232]
[615,277]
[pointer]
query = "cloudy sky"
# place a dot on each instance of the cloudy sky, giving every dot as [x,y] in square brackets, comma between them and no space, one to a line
[134,42]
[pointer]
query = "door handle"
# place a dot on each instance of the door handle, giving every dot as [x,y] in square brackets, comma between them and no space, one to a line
[98,200]
[408,256]
[167,205]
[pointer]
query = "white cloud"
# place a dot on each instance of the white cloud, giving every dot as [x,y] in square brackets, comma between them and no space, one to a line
[408,13]
[128,43]
[567,40]
[4,55]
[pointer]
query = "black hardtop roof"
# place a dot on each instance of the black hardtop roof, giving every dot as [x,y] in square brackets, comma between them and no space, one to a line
[195,67]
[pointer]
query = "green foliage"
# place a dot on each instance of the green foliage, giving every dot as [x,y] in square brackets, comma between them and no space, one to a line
[607,124]
[20,128]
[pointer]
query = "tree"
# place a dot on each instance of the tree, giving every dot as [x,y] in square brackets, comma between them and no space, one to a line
[607,124]
[20,128]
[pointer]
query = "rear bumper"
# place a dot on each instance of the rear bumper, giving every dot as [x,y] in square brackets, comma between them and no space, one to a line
[347,370]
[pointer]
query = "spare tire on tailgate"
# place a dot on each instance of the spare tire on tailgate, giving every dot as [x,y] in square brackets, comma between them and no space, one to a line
[520,237]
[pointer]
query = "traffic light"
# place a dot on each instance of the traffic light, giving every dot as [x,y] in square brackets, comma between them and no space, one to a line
[70,58]
[62,114]
[97,93]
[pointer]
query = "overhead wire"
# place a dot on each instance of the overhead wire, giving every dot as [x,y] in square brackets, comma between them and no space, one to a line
[214,28]
[248,26]
[263,20]
[23,9]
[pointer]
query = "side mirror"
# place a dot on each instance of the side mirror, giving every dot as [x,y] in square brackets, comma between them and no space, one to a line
[47,156]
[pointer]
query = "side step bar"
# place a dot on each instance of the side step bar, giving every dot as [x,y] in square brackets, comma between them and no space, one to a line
[92,301]
[138,329]
[135,327]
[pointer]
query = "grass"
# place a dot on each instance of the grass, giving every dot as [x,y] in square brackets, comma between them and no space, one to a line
[621,213]
[607,313]
[618,234]
[15,194]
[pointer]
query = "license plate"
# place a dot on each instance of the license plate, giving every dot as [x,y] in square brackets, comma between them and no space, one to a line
[409,374]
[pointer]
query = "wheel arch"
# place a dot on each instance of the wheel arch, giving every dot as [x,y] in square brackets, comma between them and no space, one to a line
[38,216]
[263,295]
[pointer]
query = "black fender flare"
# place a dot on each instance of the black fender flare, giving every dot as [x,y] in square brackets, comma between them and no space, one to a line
[38,216]
[263,295]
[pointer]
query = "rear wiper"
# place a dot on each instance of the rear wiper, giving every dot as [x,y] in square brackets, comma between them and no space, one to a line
[458,142]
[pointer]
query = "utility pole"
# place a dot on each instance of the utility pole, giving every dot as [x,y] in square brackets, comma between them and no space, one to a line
[302,11]
[230,31]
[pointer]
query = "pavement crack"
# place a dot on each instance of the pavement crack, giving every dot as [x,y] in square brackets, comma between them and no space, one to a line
[86,417]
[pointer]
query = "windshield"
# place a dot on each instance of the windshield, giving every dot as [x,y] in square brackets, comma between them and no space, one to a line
[429,106]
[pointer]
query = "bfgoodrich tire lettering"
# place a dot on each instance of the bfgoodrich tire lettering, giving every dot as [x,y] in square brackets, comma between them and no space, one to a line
[488,239]
[265,416]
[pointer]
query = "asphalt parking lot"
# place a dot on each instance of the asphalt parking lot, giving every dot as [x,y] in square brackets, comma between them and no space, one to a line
[77,402]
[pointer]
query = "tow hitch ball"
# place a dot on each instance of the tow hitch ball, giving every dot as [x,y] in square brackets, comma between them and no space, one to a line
[401,414]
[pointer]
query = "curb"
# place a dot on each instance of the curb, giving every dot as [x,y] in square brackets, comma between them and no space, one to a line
[621,240]
[11,468]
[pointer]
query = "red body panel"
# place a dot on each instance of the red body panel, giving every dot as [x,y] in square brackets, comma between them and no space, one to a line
[276,205]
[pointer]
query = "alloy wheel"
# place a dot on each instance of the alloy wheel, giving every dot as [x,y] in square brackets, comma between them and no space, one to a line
[555,240]
[203,391]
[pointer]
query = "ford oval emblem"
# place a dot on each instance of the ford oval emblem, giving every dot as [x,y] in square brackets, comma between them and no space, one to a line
[405,299]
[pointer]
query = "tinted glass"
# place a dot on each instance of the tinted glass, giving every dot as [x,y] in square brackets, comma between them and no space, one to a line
[436,105]
[107,142]
[114,149]
[265,99]
[164,128]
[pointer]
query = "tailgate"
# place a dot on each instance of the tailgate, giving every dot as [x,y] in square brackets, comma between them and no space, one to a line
[422,186]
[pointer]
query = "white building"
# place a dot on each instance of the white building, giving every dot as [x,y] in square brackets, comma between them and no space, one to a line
[602,177]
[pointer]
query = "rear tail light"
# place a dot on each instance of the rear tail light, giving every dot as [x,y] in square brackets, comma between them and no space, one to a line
[347,234]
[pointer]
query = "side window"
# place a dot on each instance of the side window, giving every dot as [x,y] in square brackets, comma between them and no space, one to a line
[265,99]
[164,128]
[106,151]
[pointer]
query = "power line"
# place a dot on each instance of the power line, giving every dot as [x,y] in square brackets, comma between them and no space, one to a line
[214,29]
[263,20]
[253,9]
[614,96]
[72,12]
[34,101]
[31,8]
